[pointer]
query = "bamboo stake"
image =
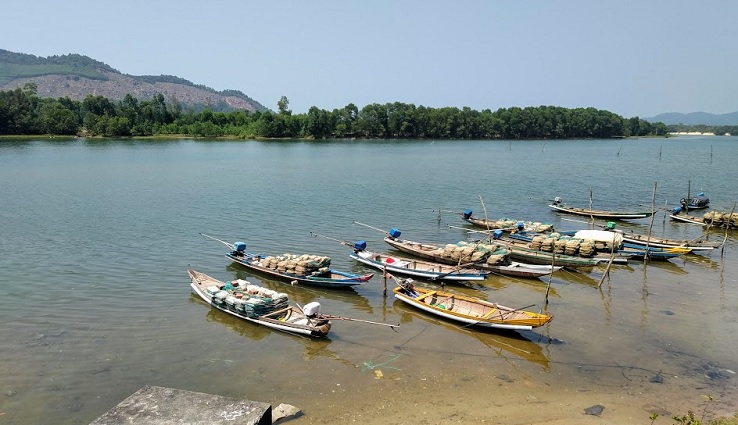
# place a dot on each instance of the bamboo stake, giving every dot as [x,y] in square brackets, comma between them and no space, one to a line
[550,276]
[384,280]
[609,263]
[591,215]
[727,226]
[650,227]
[486,218]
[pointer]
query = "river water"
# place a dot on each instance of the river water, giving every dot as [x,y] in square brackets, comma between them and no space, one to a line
[97,236]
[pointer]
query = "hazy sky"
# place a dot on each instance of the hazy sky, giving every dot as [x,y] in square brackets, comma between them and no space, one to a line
[632,57]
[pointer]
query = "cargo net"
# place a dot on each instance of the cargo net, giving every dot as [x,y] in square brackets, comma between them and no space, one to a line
[721,219]
[528,226]
[567,245]
[250,300]
[466,252]
[301,265]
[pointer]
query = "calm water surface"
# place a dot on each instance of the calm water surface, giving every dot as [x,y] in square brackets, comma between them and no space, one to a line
[97,237]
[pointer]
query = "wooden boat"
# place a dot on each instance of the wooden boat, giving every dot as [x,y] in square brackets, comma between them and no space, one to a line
[417,268]
[430,252]
[712,219]
[516,269]
[322,277]
[699,244]
[518,243]
[698,202]
[528,255]
[259,305]
[327,279]
[558,205]
[652,253]
[505,224]
[468,310]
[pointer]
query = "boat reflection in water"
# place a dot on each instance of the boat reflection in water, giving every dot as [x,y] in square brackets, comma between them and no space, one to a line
[507,345]
[314,347]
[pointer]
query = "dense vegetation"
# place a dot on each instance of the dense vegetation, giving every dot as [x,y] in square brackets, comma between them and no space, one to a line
[23,112]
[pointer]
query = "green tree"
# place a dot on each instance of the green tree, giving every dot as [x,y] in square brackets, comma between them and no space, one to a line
[283,104]
[55,118]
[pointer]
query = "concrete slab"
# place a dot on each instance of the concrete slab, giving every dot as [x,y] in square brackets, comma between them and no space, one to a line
[153,405]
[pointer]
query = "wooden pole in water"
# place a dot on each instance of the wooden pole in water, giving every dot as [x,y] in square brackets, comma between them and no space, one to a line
[710,154]
[591,216]
[660,146]
[550,276]
[384,280]
[727,226]
[650,227]
[486,218]
[609,263]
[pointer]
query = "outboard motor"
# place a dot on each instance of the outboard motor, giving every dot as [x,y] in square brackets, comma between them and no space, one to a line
[311,309]
[558,201]
[520,226]
[610,225]
[239,248]
[676,210]
[359,246]
[395,233]
[467,214]
[497,234]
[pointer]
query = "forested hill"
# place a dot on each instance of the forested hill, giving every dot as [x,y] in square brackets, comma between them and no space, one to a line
[76,76]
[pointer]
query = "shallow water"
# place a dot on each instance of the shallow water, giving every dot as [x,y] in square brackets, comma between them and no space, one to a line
[97,236]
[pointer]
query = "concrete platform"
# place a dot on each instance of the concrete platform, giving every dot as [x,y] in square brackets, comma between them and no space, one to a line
[153,405]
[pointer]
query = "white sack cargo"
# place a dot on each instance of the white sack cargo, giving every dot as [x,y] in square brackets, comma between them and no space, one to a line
[600,236]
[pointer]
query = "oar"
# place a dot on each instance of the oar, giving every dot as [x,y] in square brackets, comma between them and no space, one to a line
[216,239]
[330,316]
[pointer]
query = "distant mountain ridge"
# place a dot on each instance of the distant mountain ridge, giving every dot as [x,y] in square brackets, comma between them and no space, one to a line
[76,76]
[695,118]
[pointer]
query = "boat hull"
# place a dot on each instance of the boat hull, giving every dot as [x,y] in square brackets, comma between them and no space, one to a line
[408,267]
[286,324]
[490,315]
[601,214]
[336,279]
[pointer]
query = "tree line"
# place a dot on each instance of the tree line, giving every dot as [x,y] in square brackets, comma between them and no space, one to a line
[23,112]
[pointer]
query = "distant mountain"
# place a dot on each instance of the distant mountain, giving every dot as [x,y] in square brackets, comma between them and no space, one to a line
[696,118]
[76,76]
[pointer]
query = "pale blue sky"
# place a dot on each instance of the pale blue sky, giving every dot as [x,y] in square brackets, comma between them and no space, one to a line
[634,58]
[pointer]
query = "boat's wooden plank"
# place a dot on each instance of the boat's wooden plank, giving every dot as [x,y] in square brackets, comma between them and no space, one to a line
[426,295]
